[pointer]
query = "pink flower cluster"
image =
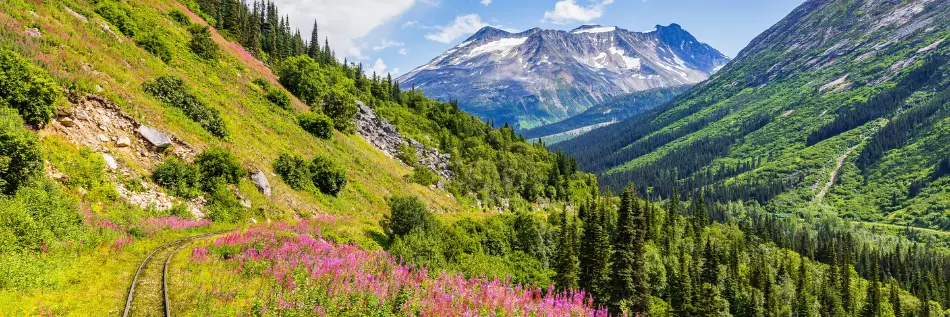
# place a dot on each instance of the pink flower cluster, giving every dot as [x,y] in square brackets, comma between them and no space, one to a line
[153,225]
[312,275]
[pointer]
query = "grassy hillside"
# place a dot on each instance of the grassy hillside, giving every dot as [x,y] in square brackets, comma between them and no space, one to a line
[840,106]
[103,59]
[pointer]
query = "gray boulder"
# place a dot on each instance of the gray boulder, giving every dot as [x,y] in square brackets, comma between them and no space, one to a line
[260,181]
[154,137]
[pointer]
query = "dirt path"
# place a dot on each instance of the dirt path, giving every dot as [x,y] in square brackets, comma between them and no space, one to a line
[834,174]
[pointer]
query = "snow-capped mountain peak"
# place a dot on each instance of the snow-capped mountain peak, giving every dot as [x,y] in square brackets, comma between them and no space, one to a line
[537,76]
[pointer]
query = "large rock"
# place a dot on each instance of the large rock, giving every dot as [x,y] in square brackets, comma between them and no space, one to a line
[260,180]
[385,137]
[154,137]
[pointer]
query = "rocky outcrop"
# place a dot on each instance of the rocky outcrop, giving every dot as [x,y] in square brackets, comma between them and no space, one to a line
[385,137]
[260,181]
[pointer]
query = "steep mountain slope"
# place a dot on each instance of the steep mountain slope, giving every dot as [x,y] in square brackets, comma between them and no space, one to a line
[612,111]
[540,76]
[773,125]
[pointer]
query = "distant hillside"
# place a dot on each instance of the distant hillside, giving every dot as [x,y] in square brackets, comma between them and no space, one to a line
[537,77]
[612,111]
[842,104]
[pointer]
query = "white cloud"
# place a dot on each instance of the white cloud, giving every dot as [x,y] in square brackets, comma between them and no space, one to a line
[567,11]
[387,43]
[403,51]
[486,2]
[463,25]
[379,68]
[409,24]
[396,71]
[344,22]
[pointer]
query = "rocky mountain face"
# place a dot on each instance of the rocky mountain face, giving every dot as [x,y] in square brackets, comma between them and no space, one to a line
[842,104]
[540,76]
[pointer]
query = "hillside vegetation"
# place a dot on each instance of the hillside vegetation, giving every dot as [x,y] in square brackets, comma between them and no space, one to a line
[856,82]
[341,228]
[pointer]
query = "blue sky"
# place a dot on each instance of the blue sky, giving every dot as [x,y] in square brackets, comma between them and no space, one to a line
[399,35]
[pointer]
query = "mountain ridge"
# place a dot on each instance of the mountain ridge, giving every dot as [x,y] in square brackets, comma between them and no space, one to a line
[539,76]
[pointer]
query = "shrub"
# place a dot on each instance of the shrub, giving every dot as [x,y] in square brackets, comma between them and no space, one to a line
[37,215]
[328,178]
[201,43]
[20,157]
[407,154]
[279,98]
[303,77]
[263,83]
[340,107]
[156,45]
[317,124]
[222,205]
[180,17]
[172,91]
[27,88]
[295,171]
[407,214]
[119,15]
[218,165]
[422,175]
[179,177]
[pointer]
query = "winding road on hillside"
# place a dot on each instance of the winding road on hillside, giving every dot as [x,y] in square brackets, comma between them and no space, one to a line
[148,294]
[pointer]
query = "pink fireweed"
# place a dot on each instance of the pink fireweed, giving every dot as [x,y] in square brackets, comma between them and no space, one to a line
[153,225]
[311,276]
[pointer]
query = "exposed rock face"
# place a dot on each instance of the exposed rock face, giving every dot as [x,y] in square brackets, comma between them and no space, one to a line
[260,181]
[384,136]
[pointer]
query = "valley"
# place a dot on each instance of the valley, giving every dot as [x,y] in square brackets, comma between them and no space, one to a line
[205,158]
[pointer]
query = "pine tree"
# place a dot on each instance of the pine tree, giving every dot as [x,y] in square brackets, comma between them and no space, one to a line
[672,214]
[802,300]
[313,50]
[895,299]
[710,265]
[595,253]
[630,291]
[700,214]
[566,270]
[872,302]
[681,288]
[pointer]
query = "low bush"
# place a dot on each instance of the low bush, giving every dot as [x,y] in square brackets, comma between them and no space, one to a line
[201,43]
[263,83]
[20,157]
[222,205]
[422,175]
[407,214]
[328,178]
[119,15]
[179,17]
[407,154]
[279,98]
[172,91]
[218,165]
[295,171]
[36,216]
[27,88]
[179,177]
[317,124]
[156,45]
[85,169]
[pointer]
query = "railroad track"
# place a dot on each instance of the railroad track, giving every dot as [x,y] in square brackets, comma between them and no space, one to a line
[149,289]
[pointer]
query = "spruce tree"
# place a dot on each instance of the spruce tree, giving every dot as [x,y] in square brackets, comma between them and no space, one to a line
[672,215]
[895,299]
[802,293]
[314,49]
[630,291]
[872,302]
[595,252]
[566,270]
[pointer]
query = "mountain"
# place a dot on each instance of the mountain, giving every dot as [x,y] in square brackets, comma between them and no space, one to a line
[842,106]
[614,110]
[540,76]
